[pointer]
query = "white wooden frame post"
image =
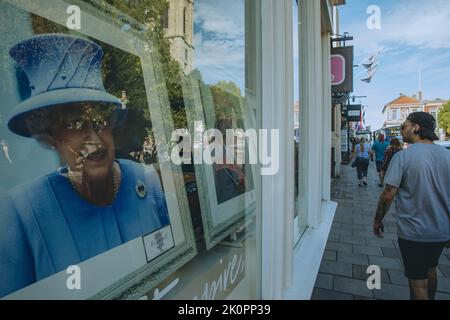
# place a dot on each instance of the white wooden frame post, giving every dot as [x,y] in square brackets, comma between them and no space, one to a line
[315,145]
[277,113]
[311,110]
[326,124]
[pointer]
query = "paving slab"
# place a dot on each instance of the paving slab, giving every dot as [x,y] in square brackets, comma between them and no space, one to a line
[329,255]
[391,253]
[352,286]
[392,292]
[336,268]
[444,284]
[387,263]
[398,277]
[353,240]
[369,250]
[324,281]
[352,258]
[442,296]
[360,272]
[323,294]
[445,270]
[378,242]
[337,246]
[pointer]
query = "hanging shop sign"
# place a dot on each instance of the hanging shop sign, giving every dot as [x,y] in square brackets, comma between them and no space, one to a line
[342,69]
[340,97]
[354,113]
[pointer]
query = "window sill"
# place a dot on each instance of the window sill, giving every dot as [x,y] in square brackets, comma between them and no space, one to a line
[308,256]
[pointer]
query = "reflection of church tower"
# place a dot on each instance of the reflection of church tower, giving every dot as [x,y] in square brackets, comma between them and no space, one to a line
[179,30]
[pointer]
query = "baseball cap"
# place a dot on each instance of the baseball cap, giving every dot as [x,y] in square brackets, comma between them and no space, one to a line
[426,122]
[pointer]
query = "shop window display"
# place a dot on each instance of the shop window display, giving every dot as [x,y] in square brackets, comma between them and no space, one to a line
[87,118]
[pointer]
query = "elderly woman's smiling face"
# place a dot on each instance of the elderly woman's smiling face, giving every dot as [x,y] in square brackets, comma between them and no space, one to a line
[82,135]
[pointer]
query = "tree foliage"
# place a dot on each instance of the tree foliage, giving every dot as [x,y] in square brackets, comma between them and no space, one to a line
[151,13]
[229,86]
[122,71]
[444,118]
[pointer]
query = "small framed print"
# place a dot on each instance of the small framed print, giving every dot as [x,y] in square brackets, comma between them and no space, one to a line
[226,190]
[95,98]
[158,242]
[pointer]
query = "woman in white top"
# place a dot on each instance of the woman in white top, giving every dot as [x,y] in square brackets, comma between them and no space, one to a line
[363,153]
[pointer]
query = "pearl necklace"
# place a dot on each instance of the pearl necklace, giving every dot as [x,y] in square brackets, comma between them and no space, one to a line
[115,182]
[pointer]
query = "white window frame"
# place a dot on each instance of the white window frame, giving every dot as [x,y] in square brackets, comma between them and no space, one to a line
[288,272]
[434,110]
[277,93]
[395,111]
[315,33]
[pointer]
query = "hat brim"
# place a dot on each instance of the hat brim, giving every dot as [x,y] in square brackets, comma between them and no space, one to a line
[65,96]
[430,134]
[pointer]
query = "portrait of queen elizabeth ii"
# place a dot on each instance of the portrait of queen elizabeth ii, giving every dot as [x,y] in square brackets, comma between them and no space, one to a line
[94,202]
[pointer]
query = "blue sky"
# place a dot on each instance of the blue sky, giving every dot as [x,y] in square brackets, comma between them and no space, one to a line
[219,40]
[415,35]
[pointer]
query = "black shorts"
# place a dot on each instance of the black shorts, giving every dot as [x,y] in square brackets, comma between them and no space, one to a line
[379,165]
[418,257]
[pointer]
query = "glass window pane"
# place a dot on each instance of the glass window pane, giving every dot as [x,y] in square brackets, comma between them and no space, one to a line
[100,130]
[300,221]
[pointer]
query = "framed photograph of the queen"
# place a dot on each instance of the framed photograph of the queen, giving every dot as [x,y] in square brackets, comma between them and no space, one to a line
[226,186]
[91,205]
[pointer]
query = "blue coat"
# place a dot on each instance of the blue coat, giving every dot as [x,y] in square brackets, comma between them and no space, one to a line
[47,227]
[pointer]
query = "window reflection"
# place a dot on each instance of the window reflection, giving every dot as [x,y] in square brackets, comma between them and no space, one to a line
[202,40]
[299,216]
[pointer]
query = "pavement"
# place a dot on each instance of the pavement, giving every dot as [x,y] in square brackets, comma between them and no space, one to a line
[352,247]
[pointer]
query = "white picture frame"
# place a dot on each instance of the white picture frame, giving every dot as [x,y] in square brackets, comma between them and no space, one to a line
[127,271]
[219,219]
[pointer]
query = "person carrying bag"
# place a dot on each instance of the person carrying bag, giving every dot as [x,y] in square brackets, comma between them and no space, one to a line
[363,155]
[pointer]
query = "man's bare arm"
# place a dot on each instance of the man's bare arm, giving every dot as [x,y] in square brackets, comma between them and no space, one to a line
[384,203]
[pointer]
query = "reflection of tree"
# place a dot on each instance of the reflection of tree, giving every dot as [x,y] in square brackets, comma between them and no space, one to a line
[151,13]
[122,71]
[196,74]
[41,25]
[229,86]
[227,99]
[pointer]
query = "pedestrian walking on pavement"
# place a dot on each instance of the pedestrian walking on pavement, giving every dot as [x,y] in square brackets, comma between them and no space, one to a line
[418,178]
[363,154]
[395,147]
[379,147]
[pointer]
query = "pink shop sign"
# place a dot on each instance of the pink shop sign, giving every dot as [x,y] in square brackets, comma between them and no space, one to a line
[337,69]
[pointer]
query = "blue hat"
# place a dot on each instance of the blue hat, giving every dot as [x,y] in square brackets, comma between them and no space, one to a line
[62,69]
